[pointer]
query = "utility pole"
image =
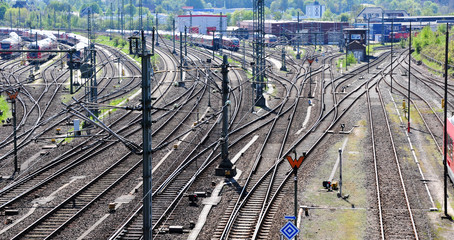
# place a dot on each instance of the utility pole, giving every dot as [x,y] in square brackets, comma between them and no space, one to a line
[283,67]
[259,28]
[185,45]
[409,74]
[208,81]
[346,53]
[298,38]
[190,22]
[11,20]
[71,71]
[213,45]
[131,21]
[69,18]
[392,42]
[368,43]
[157,33]
[148,22]
[445,128]
[181,57]
[16,167]
[111,19]
[220,29]
[383,28]
[146,131]
[244,53]
[173,36]
[146,135]
[140,17]
[118,16]
[122,17]
[226,168]
[94,87]
[55,19]
[190,28]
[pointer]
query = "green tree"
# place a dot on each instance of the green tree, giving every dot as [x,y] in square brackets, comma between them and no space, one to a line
[94,7]
[344,17]
[328,15]
[3,8]
[274,6]
[283,5]
[277,15]
[58,6]
[129,8]
[195,3]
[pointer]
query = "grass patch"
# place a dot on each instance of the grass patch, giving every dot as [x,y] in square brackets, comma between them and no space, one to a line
[4,106]
[350,61]
[362,123]
[114,102]
[238,64]
[337,219]
[123,45]
[66,98]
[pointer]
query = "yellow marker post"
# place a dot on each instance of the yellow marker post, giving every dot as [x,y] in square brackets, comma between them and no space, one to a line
[442,103]
[122,72]
[403,104]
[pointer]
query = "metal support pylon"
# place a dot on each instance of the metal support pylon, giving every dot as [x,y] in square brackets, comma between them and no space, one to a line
[283,67]
[147,156]
[259,29]
[94,87]
[226,168]
[173,36]
[220,30]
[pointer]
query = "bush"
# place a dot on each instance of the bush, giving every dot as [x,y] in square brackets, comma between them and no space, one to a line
[116,41]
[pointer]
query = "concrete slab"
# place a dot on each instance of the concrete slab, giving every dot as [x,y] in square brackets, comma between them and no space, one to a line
[209,203]
[27,163]
[52,146]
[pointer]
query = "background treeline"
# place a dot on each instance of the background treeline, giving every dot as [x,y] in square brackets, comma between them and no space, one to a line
[54,14]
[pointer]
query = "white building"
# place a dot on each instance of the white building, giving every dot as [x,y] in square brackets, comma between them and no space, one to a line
[315,10]
[203,24]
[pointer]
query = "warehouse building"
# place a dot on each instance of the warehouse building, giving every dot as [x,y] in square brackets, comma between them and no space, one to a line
[203,24]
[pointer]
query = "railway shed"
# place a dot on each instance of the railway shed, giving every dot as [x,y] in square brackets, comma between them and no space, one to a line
[355,39]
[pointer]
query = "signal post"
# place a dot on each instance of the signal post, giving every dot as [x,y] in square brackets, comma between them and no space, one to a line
[295,164]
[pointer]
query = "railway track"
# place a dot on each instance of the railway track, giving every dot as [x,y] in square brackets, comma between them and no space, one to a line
[181,133]
[394,211]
